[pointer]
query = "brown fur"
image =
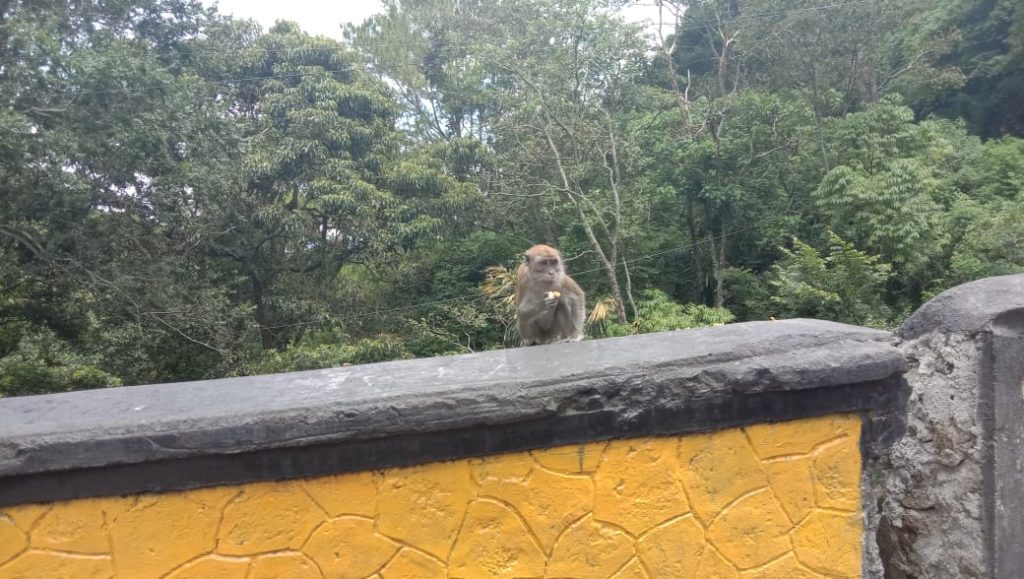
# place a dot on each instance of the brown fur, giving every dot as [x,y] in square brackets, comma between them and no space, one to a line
[542,319]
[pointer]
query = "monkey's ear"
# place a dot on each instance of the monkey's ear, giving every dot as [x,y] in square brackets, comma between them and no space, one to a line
[526,258]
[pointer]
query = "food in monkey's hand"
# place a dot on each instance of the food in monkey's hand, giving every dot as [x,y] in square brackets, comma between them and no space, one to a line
[552,295]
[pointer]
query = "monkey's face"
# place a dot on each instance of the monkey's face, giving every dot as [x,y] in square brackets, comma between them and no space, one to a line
[546,269]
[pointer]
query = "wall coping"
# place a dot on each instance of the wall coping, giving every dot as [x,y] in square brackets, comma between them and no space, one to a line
[191,434]
[967,309]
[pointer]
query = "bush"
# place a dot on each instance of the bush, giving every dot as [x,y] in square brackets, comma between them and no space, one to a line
[21,376]
[658,313]
[314,356]
[847,285]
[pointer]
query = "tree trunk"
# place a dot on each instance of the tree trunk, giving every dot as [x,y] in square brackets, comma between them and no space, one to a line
[575,197]
[720,273]
[620,306]
[698,263]
[819,133]
[541,227]
[608,265]
[629,291]
[264,317]
[717,257]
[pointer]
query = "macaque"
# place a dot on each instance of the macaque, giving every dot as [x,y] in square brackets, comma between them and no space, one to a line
[549,304]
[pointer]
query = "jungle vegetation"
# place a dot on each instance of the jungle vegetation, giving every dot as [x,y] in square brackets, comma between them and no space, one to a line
[184,195]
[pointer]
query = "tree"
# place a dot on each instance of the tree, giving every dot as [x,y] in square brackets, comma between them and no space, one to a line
[846,285]
[546,96]
[575,76]
[989,56]
[988,218]
[737,195]
[658,313]
[704,37]
[893,194]
[327,180]
[427,50]
[102,132]
[993,245]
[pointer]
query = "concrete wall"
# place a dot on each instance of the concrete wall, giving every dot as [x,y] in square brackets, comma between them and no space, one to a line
[740,451]
[771,500]
[952,499]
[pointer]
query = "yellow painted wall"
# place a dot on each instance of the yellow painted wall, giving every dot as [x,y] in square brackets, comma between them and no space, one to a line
[766,501]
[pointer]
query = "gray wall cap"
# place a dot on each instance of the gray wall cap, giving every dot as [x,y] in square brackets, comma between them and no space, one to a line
[968,308]
[393,413]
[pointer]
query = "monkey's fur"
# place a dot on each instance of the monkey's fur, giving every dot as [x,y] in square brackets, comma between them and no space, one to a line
[550,306]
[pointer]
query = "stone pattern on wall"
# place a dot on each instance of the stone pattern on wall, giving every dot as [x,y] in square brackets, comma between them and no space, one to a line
[766,501]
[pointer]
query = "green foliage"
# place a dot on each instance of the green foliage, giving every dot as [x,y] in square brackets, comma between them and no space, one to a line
[748,294]
[462,328]
[44,363]
[845,285]
[734,188]
[995,172]
[658,313]
[187,196]
[315,355]
[24,377]
[462,266]
[324,183]
[893,193]
[989,54]
[992,245]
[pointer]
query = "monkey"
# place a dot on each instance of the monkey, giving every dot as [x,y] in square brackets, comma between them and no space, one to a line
[549,305]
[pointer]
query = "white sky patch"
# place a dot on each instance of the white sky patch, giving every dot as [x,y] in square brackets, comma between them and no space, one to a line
[327,16]
[314,16]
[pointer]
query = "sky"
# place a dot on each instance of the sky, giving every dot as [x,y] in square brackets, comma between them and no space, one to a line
[326,16]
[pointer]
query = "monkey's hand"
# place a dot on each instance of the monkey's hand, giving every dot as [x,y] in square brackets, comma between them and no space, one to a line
[551,298]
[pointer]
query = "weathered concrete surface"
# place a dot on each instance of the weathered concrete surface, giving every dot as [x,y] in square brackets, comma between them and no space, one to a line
[193,434]
[931,525]
[967,309]
[952,502]
[871,478]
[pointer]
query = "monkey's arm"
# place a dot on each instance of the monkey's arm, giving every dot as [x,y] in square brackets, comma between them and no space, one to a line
[532,307]
[535,317]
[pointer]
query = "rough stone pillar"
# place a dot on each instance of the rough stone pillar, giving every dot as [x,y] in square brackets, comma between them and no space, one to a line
[952,502]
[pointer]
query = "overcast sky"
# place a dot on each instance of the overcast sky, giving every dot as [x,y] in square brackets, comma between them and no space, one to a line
[326,16]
